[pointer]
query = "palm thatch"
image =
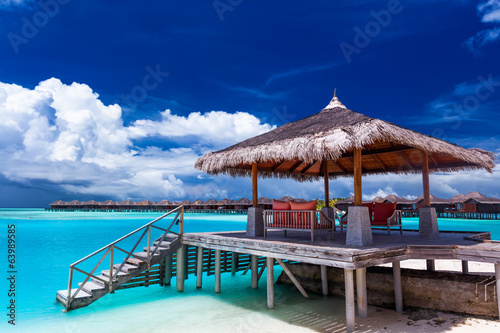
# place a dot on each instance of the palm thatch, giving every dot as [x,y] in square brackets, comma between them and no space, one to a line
[298,149]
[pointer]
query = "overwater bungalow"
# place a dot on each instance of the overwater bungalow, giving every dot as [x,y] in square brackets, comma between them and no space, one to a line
[209,204]
[338,142]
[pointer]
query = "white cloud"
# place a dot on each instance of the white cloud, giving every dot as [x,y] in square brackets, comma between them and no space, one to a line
[490,14]
[63,134]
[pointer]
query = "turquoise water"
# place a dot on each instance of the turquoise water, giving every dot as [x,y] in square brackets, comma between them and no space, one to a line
[48,242]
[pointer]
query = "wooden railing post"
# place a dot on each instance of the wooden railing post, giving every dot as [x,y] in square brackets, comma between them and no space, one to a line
[149,244]
[70,283]
[111,269]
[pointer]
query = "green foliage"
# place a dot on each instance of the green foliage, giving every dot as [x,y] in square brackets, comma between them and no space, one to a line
[321,203]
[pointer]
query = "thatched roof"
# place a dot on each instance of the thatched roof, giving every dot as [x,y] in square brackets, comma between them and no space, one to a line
[146,203]
[210,202]
[480,198]
[434,200]
[296,150]
[223,202]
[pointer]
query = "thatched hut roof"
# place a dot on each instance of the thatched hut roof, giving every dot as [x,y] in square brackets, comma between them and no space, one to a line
[210,202]
[458,198]
[264,201]
[434,200]
[224,202]
[480,198]
[107,203]
[296,150]
[243,202]
[126,203]
[146,203]
[184,203]
[197,202]
[58,203]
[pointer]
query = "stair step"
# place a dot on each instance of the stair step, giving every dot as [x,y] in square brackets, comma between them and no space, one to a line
[90,287]
[168,238]
[144,255]
[136,262]
[127,267]
[105,278]
[81,294]
[159,250]
[164,244]
[105,272]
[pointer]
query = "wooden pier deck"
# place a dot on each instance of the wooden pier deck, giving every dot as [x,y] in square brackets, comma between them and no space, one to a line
[328,252]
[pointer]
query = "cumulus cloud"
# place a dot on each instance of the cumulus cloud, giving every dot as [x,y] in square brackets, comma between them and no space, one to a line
[490,14]
[65,135]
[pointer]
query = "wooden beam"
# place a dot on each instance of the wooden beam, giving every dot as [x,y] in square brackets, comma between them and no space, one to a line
[274,168]
[357,177]
[361,292]
[324,280]
[326,181]
[293,278]
[425,179]
[295,166]
[270,282]
[379,162]
[405,160]
[349,300]
[341,167]
[199,267]
[433,159]
[431,265]
[398,291]
[465,267]
[308,167]
[254,185]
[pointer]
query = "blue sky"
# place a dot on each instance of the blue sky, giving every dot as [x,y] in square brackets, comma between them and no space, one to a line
[117,99]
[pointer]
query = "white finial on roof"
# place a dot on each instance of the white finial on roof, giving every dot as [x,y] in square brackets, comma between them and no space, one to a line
[335,103]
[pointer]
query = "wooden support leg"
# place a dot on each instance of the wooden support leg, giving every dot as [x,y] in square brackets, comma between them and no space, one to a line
[431,266]
[180,268]
[361,292]
[270,282]
[233,263]
[199,267]
[162,272]
[398,291]
[324,280]
[349,300]
[465,267]
[255,271]
[217,271]
[168,270]
[497,276]
[293,278]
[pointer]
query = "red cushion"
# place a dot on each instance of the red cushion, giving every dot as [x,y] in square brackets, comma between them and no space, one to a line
[383,211]
[311,205]
[281,205]
[370,209]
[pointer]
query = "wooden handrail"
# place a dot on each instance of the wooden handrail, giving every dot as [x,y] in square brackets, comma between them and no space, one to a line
[111,247]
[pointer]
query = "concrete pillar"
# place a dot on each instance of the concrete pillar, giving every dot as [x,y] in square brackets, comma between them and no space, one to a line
[199,267]
[359,232]
[465,267]
[427,223]
[431,265]
[350,311]
[255,222]
[361,292]
[497,276]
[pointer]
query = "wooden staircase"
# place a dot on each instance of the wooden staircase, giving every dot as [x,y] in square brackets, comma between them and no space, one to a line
[96,286]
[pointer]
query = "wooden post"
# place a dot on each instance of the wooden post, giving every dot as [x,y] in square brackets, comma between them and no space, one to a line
[254,185]
[292,278]
[358,199]
[255,271]
[361,292]
[431,266]
[465,267]
[168,270]
[425,179]
[324,280]
[181,252]
[398,291]
[234,257]
[327,185]
[162,272]
[209,266]
[497,277]
[349,300]
[199,267]
[217,271]
[270,282]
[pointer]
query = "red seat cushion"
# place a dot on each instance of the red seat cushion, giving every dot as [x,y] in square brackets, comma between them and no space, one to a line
[304,219]
[370,209]
[382,211]
[281,205]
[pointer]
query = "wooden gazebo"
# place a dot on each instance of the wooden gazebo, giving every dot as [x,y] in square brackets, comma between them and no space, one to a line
[338,142]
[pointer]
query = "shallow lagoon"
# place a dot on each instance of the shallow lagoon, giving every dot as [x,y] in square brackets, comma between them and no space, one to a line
[48,242]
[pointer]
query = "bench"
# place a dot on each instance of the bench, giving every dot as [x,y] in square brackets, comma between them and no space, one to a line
[382,215]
